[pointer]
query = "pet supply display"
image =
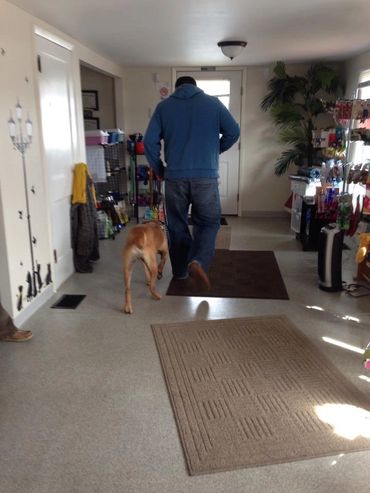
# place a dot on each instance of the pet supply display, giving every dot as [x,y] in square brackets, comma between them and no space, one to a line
[115,135]
[96,137]
[145,188]
[104,225]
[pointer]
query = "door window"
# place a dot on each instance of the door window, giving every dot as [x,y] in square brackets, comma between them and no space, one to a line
[218,88]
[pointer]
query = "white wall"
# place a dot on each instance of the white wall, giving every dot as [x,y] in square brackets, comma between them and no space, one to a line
[19,81]
[354,67]
[17,84]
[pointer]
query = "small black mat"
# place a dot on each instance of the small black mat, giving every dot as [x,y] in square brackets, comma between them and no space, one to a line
[238,274]
[69,301]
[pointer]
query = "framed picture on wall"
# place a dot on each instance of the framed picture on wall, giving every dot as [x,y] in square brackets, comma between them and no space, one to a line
[92,123]
[90,100]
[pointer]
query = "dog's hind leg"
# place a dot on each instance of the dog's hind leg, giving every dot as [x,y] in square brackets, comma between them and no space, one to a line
[151,264]
[147,271]
[163,254]
[127,273]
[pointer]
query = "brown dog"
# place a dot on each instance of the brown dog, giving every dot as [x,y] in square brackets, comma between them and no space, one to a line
[144,241]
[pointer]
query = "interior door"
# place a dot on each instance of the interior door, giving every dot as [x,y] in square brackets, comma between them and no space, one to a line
[226,85]
[54,87]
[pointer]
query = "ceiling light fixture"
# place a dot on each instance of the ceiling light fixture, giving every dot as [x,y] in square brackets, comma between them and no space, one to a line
[231,49]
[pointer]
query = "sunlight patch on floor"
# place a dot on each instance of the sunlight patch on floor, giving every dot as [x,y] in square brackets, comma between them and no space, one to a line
[343,345]
[352,319]
[364,377]
[347,421]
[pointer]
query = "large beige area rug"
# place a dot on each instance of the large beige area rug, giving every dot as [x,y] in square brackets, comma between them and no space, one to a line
[255,391]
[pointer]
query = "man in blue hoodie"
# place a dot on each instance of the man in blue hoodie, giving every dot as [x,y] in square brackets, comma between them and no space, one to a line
[196,129]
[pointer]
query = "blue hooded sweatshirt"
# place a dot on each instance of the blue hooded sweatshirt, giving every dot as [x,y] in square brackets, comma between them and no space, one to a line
[190,123]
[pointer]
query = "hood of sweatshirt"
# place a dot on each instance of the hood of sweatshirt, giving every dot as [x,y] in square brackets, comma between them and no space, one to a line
[186,91]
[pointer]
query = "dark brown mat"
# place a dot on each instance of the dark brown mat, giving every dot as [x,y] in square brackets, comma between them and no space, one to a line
[238,274]
[249,391]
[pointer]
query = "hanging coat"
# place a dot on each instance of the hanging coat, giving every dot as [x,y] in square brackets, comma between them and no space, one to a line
[85,243]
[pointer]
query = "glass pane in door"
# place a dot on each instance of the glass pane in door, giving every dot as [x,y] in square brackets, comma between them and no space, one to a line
[218,88]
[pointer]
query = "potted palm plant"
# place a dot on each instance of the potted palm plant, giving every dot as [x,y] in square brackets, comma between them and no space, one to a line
[295,103]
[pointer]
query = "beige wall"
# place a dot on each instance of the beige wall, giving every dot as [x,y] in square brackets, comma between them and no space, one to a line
[18,80]
[140,95]
[262,192]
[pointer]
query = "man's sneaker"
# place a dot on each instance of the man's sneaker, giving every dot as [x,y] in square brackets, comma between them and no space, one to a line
[199,276]
[18,336]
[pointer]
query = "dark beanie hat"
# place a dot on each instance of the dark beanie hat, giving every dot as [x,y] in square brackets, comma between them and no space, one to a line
[186,79]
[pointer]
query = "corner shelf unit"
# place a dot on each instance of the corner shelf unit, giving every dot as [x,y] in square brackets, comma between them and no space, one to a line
[145,188]
[115,180]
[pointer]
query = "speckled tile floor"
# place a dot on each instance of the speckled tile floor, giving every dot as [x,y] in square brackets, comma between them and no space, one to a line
[84,407]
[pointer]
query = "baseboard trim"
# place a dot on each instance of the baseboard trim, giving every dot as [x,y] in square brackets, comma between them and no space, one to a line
[267,214]
[34,306]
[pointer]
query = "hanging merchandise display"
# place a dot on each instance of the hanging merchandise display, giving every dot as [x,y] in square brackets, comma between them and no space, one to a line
[366,206]
[352,109]
[339,202]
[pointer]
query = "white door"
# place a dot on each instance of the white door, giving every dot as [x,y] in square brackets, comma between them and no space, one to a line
[226,85]
[55,99]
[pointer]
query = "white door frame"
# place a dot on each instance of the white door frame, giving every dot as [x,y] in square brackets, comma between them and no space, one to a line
[243,71]
[77,135]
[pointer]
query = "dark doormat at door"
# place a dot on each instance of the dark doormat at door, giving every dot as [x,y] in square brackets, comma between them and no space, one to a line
[238,274]
[69,301]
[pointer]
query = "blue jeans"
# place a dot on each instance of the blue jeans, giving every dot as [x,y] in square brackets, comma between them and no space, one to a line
[204,198]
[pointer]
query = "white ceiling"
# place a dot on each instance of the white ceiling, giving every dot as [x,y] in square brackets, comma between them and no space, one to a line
[186,32]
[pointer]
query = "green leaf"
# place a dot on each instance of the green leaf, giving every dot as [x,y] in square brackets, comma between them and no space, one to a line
[322,77]
[279,69]
[286,113]
[287,158]
[293,103]
[282,90]
[315,106]
[294,134]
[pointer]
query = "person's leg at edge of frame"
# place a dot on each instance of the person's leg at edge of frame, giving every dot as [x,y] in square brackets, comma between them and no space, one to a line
[8,331]
[177,205]
[206,216]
